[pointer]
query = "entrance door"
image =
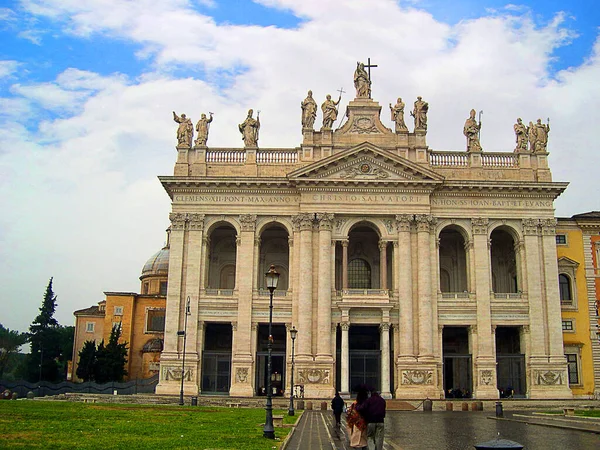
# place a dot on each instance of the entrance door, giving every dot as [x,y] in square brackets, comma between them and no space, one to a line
[216,373]
[365,369]
[511,375]
[277,373]
[457,376]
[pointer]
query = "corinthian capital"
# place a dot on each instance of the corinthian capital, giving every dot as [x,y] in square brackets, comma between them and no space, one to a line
[195,221]
[425,222]
[303,221]
[404,221]
[325,221]
[177,221]
[548,226]
[530,226]
[248,222]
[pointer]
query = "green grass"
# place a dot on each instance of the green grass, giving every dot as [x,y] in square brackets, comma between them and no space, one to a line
[578,412]
[53,425]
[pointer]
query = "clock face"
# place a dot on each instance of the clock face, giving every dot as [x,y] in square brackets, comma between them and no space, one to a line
[365,168]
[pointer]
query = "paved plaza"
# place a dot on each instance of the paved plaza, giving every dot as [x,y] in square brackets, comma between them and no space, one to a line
[443,430]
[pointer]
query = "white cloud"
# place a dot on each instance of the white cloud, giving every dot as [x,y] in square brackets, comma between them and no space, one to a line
[7,68]
[81,188]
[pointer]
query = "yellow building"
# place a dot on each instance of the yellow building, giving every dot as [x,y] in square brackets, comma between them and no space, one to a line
[140,316]
[578,304]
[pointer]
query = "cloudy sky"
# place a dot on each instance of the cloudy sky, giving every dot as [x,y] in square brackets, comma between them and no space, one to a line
[87,88]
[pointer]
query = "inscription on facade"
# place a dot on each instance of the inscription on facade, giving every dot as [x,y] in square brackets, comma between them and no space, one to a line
[370,198]
[244,199]
[492,203]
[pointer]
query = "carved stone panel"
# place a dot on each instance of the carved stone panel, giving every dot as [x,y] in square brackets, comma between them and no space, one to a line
[174,374]
[548,377]
[241,374]
[418,377]
[313,376]
[486,377]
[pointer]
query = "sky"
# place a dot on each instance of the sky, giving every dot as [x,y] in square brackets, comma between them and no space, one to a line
[87,90]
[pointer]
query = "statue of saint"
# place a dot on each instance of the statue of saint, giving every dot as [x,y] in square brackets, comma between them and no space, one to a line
[202,129]
[541,132]
[185,130]
[362,83]
[330,111]
[309,111]
[471,131]
[419,112]
[249,129]
[521,136]
[398,115]
[532,135]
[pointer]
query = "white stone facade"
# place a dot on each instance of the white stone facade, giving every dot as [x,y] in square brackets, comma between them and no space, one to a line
[424,273]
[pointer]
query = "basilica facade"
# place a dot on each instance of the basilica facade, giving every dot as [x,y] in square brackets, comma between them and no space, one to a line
[422,273]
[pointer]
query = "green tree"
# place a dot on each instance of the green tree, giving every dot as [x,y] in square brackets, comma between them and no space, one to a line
[10,341]
[111,358]
[45,338]
[87,361]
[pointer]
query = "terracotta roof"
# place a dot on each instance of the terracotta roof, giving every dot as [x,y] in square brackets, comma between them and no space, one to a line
[588,215]
[91,311]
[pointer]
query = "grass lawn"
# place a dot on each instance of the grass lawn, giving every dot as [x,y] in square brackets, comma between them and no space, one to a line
[49,424]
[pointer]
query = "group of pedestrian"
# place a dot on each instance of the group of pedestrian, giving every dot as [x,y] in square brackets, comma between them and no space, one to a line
[364,418]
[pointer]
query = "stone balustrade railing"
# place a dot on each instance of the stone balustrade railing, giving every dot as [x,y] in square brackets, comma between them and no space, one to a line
[276,293]
[276,157]
[507,296]
[219,292]
[454,295]
[452,159]
[226,156]
[499,160]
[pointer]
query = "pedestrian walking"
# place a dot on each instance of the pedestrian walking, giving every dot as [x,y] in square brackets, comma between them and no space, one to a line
[337,405]
[373,412]
[355,423]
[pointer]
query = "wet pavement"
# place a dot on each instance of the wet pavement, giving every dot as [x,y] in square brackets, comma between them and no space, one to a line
[417,430]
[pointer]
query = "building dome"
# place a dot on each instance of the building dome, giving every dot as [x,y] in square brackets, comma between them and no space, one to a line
[158,264]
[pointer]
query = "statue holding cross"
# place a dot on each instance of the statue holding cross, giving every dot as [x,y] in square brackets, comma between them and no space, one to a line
[362,79]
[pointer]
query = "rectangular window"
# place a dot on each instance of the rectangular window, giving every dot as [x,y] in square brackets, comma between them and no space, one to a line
[567,325]
[163,288]
[145,288]
[561,239]
[89,327]
[118,310]
[572,367]
[155,321]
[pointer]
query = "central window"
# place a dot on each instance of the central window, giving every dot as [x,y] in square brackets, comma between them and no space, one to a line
[359,274]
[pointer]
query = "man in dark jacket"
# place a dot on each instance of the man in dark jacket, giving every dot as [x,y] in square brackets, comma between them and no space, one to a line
[337,404]
[373,411]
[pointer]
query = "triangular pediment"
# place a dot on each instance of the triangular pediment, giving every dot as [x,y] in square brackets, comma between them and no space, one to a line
[366,163]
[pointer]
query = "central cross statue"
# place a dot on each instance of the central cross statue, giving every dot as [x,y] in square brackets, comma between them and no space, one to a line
[362,79]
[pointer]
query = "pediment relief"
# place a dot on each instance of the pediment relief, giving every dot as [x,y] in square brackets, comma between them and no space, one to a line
[563,261]
[365,163]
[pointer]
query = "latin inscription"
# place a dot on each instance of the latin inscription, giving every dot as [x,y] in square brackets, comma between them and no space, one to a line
[493,203]
[368,198]
[241,199]
[381,199]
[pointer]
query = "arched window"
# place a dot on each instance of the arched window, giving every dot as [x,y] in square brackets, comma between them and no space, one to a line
[564,287]
[359,274]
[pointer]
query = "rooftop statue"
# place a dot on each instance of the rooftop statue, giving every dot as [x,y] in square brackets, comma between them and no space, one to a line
[309,111]
[471,131]
[419,112]
[520,135]
[202,129]
[362,81]
[398,115]
[532,136]
[330,111]
[541,133]
[249,129]
[185,130]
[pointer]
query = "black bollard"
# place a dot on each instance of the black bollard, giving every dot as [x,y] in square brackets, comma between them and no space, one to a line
[427,405]
[499,411]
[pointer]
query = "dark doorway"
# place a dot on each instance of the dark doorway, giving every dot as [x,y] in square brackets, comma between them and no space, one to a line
[458,371]
[511,380]
[277,359]
[365,356]
[216,359]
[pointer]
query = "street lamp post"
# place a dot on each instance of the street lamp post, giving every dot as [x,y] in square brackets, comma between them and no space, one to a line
[272,277]
[293,333]
[184,334]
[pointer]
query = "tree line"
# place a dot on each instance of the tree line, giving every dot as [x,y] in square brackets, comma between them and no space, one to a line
[52,347]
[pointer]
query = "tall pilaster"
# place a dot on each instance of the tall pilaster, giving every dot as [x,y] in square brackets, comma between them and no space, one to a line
[200,347]
[383,264]
[384,330]
[424,226]
[242,360]
[170,364]
[345,364]
[345,243]
[304,222]
[485,363]
[324,288]
[404,262]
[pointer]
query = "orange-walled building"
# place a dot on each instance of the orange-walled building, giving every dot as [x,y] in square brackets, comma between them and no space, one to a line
[140,316]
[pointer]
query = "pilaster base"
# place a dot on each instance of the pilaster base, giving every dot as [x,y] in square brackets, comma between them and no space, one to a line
[316,377]
[242,370]
[170,374]
[549,381]
[484,381]
[418,380]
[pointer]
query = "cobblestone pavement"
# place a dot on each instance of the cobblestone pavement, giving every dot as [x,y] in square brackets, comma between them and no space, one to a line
[441,430]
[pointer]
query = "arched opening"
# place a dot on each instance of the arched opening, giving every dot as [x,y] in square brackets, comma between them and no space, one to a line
[564,287]
[453,261]
[222,258]
[504,262]
[365,265]
[274,249]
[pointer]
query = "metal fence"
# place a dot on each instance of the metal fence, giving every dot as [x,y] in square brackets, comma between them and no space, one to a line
[22,387]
